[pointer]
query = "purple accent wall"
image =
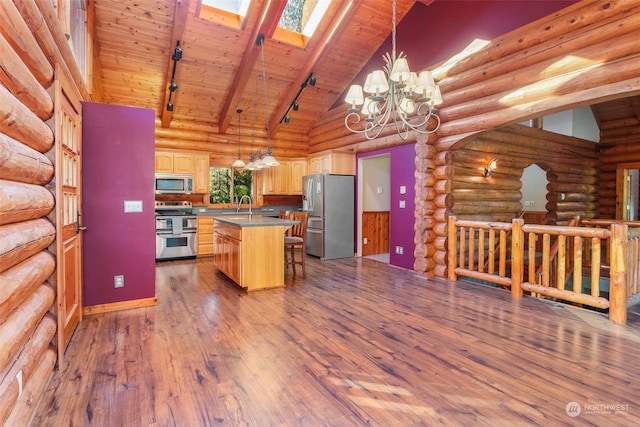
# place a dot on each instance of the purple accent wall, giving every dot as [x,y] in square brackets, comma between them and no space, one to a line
[402,173]
[118,165]
[431,34]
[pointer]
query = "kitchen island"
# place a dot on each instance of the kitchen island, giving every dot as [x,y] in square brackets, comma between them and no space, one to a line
[249,249]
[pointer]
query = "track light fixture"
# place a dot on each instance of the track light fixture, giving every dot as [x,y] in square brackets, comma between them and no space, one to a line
[310,80]
[176,56]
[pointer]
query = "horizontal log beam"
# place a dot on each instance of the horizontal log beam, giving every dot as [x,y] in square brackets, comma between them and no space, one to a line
[22,202]
[20,37]
[22,240]
[19,162]
[18,79]
[18,122]
[20,325]
[22,279]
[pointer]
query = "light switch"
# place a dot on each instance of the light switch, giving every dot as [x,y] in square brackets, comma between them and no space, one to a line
[402,204]
[403,189]
[379,190]
[132,206]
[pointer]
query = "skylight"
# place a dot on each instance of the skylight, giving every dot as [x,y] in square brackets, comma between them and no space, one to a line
[238,7]
[303,16]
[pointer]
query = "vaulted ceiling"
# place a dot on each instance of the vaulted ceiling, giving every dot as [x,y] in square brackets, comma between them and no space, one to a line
[221,66]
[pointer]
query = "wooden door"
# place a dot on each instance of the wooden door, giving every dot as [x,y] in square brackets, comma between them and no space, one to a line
[68,212]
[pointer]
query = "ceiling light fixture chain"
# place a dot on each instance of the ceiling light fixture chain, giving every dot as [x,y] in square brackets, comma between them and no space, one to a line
[261,160]
[391,98]
[268,160]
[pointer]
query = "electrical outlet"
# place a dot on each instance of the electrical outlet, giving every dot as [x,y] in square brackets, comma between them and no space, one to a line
[402,204]
[118,281]
[529,203]
[399,250]
[366,241]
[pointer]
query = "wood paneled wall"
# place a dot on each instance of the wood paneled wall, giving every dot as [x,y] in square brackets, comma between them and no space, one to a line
[375,229]
[29,54]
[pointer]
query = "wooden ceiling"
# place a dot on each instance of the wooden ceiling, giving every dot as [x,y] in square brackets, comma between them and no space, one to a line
[221,66]
[221,69]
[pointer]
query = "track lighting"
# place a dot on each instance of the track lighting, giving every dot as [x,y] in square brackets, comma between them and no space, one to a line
[310,80]
[177,56]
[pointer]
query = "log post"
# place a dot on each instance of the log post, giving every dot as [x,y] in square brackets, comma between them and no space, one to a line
[451,231]
[517,256]
[618,285]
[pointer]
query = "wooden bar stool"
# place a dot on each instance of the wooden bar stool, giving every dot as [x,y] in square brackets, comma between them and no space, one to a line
[295,242]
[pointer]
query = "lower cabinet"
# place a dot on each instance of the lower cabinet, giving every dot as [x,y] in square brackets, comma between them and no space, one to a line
[227,248]
[205,235]
[251,256]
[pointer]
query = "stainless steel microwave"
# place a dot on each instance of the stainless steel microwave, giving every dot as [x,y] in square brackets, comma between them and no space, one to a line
[174,183]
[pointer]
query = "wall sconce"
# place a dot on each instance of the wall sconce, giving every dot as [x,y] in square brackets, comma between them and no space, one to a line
[490,167]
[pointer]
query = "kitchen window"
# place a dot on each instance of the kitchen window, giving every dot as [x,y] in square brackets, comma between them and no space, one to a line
[228,185]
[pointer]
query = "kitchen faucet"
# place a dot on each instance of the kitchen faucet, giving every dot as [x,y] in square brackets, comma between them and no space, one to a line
[240,203]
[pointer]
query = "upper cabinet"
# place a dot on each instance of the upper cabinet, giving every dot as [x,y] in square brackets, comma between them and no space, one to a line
[196,164]
[286,178]
[341,163]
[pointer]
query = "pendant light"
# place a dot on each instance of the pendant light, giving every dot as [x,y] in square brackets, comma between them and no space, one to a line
[238,163]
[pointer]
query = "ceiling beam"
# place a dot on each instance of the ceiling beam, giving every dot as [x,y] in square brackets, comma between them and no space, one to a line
[181,11]
[267,23]
[347,8]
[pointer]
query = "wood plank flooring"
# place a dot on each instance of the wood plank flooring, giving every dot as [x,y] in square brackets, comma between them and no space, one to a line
[356,343]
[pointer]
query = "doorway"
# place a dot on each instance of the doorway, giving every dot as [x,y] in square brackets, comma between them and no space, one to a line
[374,207]
[628,191]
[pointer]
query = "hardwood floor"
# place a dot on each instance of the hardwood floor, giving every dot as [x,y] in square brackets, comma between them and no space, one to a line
[357,342]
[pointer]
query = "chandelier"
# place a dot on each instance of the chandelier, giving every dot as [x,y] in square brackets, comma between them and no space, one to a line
[396,96]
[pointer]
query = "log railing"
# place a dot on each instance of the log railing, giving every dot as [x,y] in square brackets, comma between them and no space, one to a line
[474,248]
[468,248]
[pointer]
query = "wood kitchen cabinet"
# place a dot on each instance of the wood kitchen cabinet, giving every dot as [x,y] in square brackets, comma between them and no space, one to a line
[337,162]
[201,164]
[196,164]
[227,249]
[205,236]
[286,178]
[250,251]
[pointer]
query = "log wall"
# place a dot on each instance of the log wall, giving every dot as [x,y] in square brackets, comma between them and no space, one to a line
[29,54]
[581,55]
[620,144]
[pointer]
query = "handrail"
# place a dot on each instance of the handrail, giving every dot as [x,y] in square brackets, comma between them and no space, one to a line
[467,242]
[553,254]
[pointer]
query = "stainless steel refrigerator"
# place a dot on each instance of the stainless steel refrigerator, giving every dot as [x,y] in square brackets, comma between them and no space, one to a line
[330,201]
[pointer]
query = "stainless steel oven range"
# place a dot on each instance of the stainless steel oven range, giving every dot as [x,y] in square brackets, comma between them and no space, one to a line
[175,230]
